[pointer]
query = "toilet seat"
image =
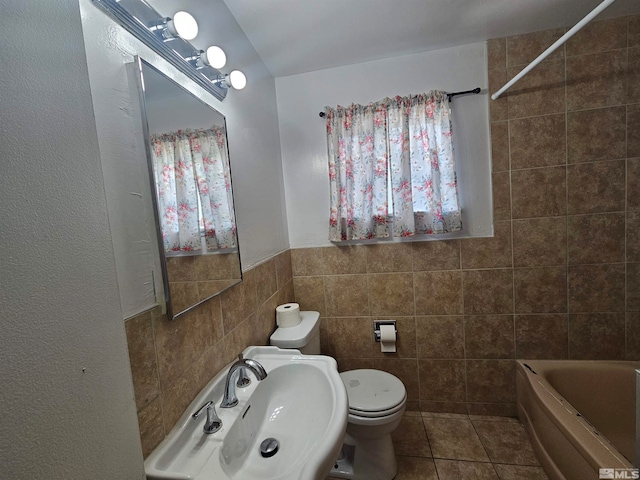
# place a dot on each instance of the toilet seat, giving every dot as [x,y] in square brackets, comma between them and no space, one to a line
[380,414]
[373,393]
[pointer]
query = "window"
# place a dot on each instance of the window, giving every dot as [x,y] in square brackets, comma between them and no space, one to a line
[392,169]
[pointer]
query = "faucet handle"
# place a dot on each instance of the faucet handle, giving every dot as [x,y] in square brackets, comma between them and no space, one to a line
[213,423]
[203,407]
[213,420]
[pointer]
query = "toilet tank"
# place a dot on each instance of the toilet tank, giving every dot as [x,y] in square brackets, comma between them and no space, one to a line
[304,336]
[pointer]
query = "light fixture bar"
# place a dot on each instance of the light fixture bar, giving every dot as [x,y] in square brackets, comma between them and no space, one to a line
[174,50]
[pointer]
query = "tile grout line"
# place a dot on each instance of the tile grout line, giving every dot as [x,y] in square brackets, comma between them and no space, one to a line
[415,326]
[165,430]
[567,110]
[464,333]
[426,435]
[511,225]
[566,193]
[626,200]
[567,163]
[481,443]
[626,206]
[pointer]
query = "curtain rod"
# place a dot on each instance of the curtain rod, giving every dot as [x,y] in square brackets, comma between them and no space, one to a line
[596,11]
[475,91]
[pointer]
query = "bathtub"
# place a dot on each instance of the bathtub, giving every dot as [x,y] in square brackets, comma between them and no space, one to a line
[580,415]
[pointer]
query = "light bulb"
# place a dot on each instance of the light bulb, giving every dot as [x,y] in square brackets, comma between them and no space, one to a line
[183,25]
[237,80]
[215,57]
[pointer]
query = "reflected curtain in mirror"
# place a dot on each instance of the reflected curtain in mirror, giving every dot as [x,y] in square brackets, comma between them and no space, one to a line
[190,177]
[193,185]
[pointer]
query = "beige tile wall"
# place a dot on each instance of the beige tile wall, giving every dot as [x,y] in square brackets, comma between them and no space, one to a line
[195,278]
[171,361]
[561,276]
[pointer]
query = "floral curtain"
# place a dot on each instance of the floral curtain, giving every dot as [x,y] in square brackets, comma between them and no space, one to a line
[413,135]
[358,155]
[211,161]
[423,176]
[192,178]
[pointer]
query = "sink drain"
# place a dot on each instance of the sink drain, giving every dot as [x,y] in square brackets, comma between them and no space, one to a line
[269,447]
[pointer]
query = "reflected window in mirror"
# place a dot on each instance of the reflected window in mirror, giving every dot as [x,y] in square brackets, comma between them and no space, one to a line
[190,173]
[193,185]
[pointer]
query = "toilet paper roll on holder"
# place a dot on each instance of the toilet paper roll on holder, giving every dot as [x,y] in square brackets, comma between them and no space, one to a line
[376,328]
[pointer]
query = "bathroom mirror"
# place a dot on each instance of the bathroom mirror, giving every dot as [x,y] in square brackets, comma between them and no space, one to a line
[188,159]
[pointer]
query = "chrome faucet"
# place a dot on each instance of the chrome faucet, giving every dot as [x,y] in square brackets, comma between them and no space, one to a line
[230,399]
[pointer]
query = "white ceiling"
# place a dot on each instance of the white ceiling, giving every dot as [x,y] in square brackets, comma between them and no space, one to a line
[296,36]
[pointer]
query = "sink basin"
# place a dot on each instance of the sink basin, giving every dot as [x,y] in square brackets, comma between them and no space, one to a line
[302,403]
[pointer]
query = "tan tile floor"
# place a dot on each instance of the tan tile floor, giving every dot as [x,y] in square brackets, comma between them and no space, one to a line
[443,446]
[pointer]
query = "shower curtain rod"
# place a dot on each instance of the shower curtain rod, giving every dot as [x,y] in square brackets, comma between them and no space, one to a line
[475,91]
[594,13]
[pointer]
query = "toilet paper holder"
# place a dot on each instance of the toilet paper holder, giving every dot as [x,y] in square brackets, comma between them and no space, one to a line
[376,328]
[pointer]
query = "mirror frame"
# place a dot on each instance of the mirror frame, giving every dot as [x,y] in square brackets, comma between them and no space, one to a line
[137,66]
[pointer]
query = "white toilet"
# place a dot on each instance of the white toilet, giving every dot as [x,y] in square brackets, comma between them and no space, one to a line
[377,401]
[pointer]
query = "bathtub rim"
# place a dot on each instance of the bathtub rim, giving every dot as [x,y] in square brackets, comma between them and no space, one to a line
[594,447]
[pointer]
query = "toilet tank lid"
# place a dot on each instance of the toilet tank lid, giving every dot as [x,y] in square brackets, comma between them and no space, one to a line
[298,336]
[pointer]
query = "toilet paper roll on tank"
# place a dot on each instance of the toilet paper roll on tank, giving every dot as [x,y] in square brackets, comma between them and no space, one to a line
[297,329]
[288,315]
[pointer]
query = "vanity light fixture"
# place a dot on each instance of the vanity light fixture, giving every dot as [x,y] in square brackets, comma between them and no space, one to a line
[169,38]
[213,56]
[235,79]
[182,25]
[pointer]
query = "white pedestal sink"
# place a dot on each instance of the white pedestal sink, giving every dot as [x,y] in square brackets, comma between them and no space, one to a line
[302,403]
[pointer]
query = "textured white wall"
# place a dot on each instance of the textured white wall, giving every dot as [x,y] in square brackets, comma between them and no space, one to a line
[66,399]
[303,139]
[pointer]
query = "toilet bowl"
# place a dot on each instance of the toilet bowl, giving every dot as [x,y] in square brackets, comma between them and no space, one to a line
[377,401]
